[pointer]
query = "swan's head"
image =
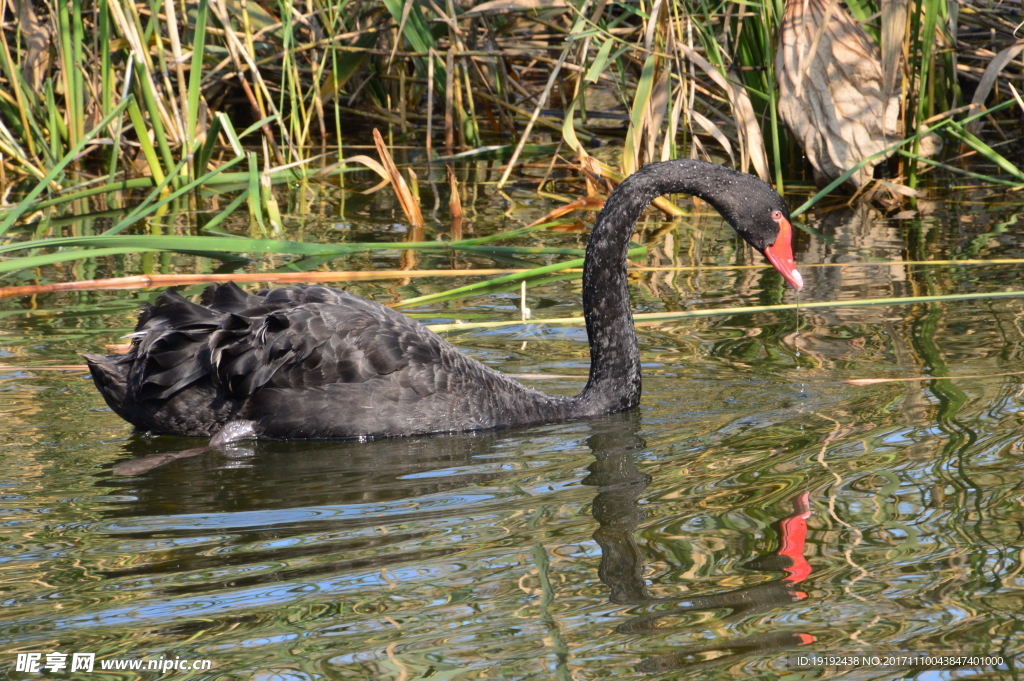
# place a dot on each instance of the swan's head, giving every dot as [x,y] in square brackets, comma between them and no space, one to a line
[750,206]
[766,226]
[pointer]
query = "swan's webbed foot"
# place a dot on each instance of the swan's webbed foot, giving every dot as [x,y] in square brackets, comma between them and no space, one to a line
[232,431]
[144,464]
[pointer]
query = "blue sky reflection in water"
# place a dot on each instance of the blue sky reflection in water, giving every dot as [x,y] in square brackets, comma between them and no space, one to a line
[756,505]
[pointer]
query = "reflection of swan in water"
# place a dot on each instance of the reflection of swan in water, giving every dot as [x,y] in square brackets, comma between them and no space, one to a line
[389,474]
[304,473]
[344,489]
[615,508]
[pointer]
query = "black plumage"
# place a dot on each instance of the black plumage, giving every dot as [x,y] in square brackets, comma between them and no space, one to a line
[316,362]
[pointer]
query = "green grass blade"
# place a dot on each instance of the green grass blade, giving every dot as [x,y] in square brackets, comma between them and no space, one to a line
[77,82]
[644,87]
[569,125]
[29,262]
[205,151]
[228,245]
[195,76]
[224,214]
[508,235]
[68,70]
[959,171]
[148,152]
[255,207]
[713,312]
[214,245]
[965,136]
[913,138]
[58,130]
[143,82]
[144,210]
[137,183]
[417,32]
[108,82]
[197,243]
[257,125]
[229,132]
[59,168]
[473,289]
[492,287]
[600,62]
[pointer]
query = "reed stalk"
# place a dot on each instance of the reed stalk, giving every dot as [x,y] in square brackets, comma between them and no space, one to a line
[651,317]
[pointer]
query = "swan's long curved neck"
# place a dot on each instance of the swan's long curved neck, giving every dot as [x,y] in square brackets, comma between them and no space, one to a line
[614,383]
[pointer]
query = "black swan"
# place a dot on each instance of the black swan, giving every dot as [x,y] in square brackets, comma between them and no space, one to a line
[316,362]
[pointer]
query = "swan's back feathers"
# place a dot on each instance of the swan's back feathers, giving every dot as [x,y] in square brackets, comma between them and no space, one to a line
[317,344]
[301,362]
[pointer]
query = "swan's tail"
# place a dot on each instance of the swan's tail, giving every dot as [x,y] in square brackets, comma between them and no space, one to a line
[191,367]
[110,374]
[163,383]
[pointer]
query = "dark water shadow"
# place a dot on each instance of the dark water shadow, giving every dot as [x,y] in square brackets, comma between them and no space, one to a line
[269,474]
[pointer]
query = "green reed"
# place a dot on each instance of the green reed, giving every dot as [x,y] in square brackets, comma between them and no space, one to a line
[309,64]
[148,96]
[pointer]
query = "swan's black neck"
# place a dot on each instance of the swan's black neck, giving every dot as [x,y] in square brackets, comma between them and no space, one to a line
[614,383]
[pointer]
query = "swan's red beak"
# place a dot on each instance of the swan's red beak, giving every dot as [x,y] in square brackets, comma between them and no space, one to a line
[780,255]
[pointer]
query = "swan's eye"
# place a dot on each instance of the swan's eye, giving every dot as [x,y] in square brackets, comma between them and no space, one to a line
[777,215]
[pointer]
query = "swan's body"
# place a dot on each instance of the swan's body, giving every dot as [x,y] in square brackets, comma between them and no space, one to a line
[316,362]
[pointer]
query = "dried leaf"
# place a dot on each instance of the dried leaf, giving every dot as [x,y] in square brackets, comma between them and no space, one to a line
[508,6]
[657,109]
[830,90]
[1016,95]
[894,29]
[373,165]
[595,171]
[751,141]
[713,130]
[410,206]
[454,205]
[639,112]
[574,227]
[593,203]
[988,81]
[900,189]
[38,37]
[875,381]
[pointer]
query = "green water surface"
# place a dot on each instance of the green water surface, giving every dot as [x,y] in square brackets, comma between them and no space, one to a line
[662,543]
